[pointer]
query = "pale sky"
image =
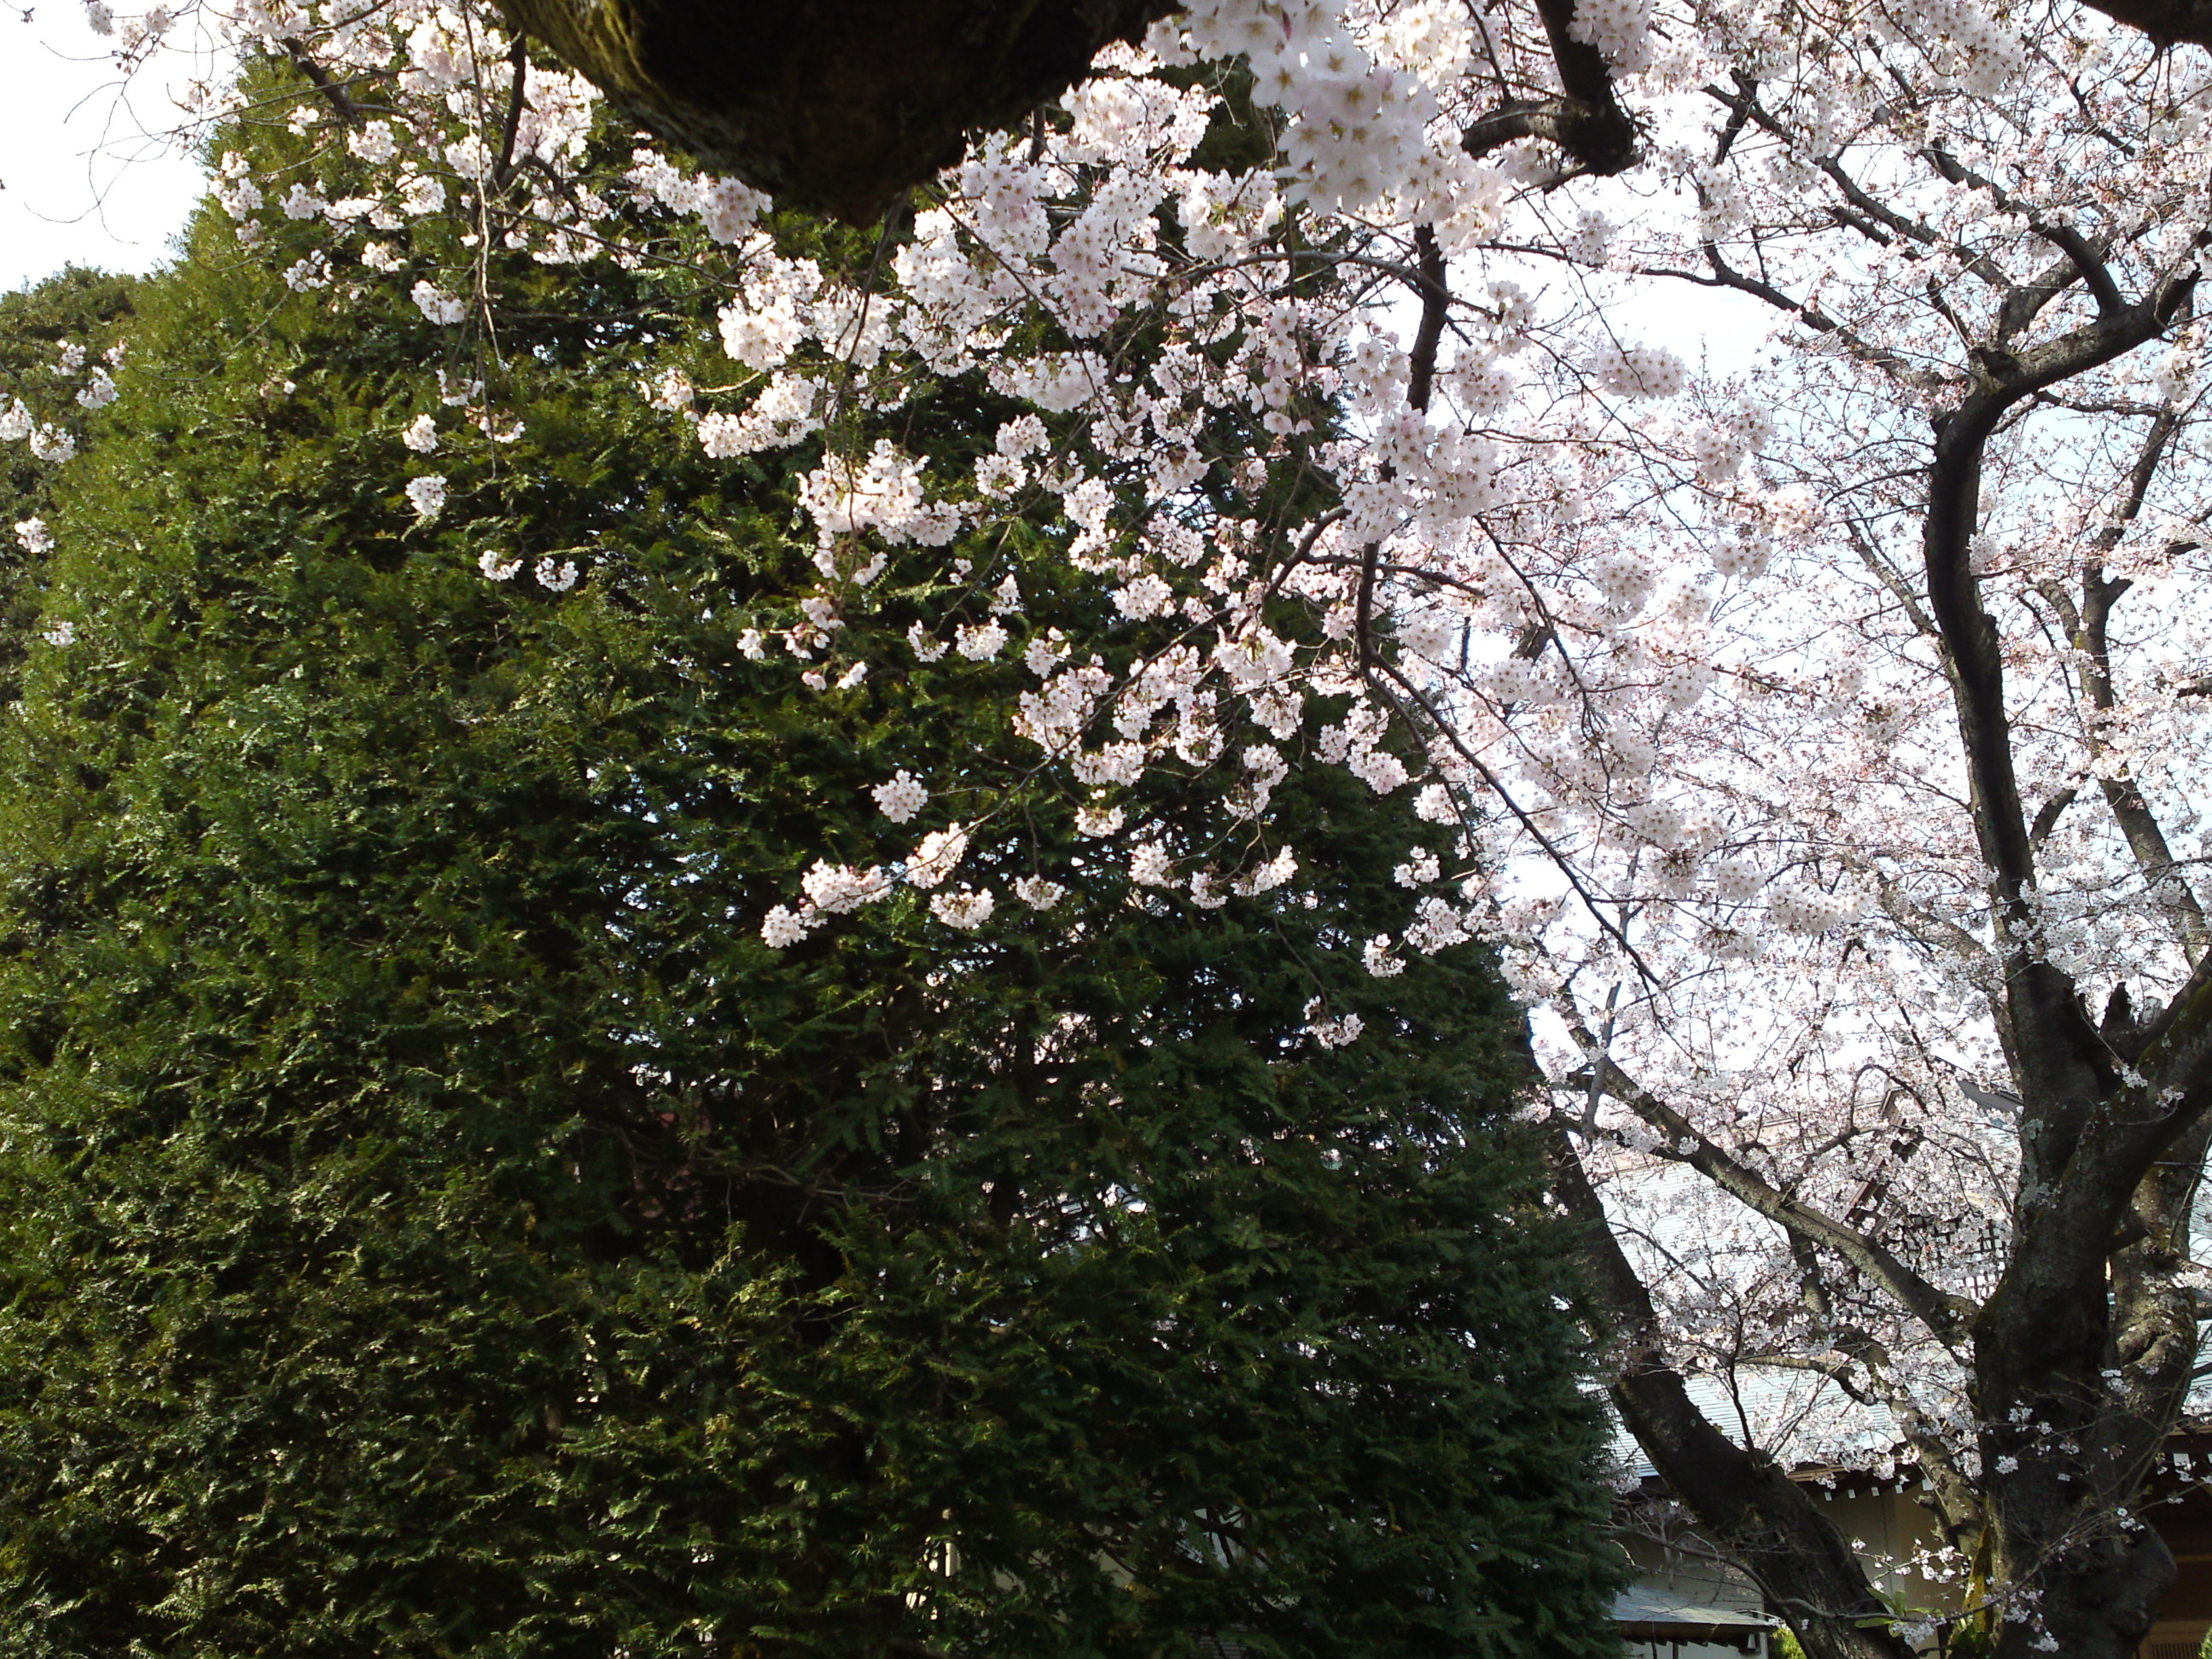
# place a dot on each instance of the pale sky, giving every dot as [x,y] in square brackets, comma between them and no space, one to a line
[87,176]
[80,178]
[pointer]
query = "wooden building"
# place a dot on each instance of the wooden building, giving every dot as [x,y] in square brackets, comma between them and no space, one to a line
[1686,1605]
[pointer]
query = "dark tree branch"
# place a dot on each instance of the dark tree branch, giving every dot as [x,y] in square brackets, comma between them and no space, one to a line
[1436,304]
[1586,123]
[518,61]
[1944,1314]
[2048,814]
[2090,1130]
[1761,1518]
[2086,258]
[1743,100]
[2088,631]
[2167,21]
[340,101]
[1973,660]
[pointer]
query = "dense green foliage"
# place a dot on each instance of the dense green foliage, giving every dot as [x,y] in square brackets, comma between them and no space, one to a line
[436,1224]
[87,309]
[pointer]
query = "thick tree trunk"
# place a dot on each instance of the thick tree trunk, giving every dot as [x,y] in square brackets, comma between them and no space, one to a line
[1742,1501]
[2065,1451]
[2096,1601]
[2063,1464]
[839,106]
[2168,21]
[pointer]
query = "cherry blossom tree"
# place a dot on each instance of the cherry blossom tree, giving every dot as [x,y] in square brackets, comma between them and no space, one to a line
[1821,741]
[1874,816]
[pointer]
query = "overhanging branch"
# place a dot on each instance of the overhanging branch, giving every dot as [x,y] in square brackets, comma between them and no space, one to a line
[2167,21]
[1944,1314]
[1585,122]
[1760,1516]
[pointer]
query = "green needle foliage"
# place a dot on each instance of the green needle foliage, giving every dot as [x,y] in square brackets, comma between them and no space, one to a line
[436,1224]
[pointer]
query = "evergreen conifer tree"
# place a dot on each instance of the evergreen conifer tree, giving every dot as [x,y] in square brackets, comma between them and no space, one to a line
[436,1224]
[50,335]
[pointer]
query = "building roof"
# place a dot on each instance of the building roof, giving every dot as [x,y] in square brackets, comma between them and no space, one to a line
[1646,1613]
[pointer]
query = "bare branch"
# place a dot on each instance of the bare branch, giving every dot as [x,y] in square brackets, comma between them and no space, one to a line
[1433,286]
[1944,1314]
[2086,257]
[518,60]
[2087,627]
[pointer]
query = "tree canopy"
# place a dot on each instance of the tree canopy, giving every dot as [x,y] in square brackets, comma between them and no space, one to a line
[439,1222]
[1737,469]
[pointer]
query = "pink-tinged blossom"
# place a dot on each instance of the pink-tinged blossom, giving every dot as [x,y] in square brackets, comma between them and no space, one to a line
[783,927]
[98,390]
[979,641]
[301,203]
[1421,869]
[427,495]
[1038,893]
[1337,1033]
[729,209]
[1044,652]
[1143,598]
[237,197]
[1265,877]
[1430,634]
[1434,805]
[883,495]
[964,909]
[436,305]
[53,444]
[901,798]
[783,412]
[999,475]
[837,889]
[1150,866]
[373,144]
[671,391]
[421,195]
[940,851]
[762,339]
[1022,436]
[1098,821]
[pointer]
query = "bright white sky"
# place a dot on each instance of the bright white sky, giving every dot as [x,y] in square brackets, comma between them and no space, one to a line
[83,181]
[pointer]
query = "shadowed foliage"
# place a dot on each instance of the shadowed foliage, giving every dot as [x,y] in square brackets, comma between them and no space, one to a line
[436,1224]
